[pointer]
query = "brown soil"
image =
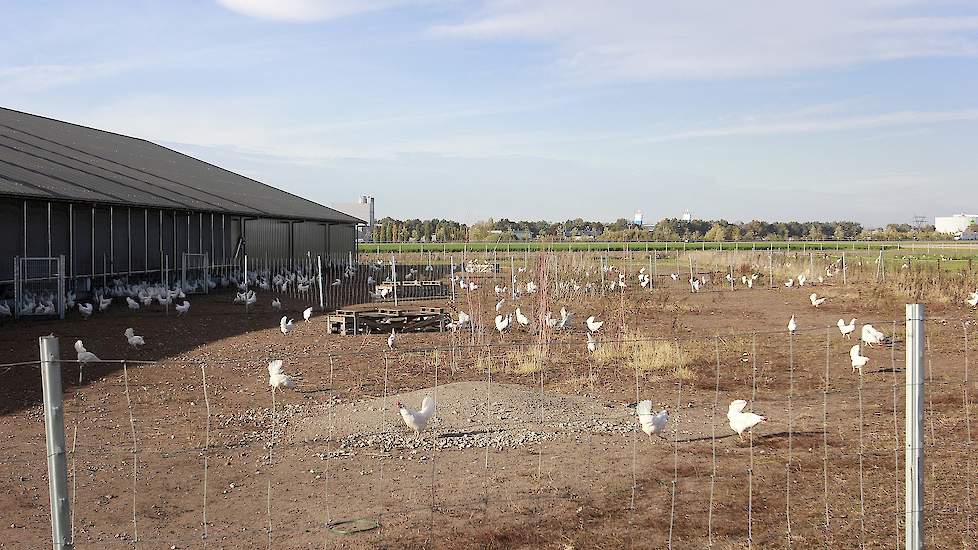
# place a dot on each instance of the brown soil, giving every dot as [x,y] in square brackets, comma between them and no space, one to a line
[572,485]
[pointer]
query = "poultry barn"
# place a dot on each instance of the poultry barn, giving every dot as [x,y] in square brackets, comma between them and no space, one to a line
[81,207]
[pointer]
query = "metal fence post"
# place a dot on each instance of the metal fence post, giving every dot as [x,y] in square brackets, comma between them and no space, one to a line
[914,442]
[394,277]
[54,435]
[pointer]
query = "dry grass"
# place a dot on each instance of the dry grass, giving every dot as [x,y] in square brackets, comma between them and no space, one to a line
[636,352]
[527,359]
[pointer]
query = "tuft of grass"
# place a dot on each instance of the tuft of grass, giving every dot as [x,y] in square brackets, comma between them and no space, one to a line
[658,356]
[527,359]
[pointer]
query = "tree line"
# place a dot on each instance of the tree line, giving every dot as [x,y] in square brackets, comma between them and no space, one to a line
[668,229]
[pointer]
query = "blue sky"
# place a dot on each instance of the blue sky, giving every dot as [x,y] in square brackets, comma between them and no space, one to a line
[547,109]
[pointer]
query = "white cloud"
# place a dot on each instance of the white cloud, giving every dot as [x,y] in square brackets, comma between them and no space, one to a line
[305,10]
[640,39]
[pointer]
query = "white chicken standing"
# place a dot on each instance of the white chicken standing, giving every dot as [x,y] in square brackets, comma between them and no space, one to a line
[277,304]
[792,325]
[592,344]
[306,314]
[84,357]
[973,299]
[85,310]
[651,423]
[418,420]
[740,421]
[816,301]
[134,340]
[858,361]
[390,341]
[182,308]
[522,319]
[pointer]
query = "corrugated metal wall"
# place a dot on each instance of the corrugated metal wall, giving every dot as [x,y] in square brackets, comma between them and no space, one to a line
[124,240]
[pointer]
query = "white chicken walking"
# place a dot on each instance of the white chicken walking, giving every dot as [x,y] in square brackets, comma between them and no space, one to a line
[418,420]
[277,377]
[740,421]
[651,423]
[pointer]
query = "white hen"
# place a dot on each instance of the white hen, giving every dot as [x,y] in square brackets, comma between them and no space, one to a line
[418,420]
[858,361]
[740,421]
[973,299]
[816,301]
[134,340]
[182,308]
[792,325]
[286,325]
[277,377]
[593,324]
[592,344]
[651,423]
[390,340]
[523,320]
[307,314]
[85,310]
[845,329]
[872,336]
[502,323]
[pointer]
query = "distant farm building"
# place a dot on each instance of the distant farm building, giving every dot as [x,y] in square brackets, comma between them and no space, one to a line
[956,224]
[114,206]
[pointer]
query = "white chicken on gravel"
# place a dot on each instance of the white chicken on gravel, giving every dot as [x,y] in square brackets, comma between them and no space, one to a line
[522,319]
[651,423]
[792,325]
[134,340]
[741,421]
[84,357]
[418,420]
[858,361]
[391,340]
[973,299]
[182,308]
[306,314]
[847,330]
[816,301]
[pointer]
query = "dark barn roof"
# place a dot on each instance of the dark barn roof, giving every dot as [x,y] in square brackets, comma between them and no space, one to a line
[49,159]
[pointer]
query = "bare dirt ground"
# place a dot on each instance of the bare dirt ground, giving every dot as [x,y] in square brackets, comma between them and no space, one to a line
[547,459]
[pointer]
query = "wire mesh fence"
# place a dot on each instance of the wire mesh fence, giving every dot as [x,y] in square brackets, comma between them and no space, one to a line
[534,439]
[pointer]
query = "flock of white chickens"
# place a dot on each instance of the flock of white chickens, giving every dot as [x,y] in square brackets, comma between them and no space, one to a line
[652,423]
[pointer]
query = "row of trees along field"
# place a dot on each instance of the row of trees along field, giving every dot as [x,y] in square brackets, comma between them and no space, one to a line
[668,229]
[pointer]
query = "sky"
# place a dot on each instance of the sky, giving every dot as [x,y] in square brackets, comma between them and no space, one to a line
[543,109]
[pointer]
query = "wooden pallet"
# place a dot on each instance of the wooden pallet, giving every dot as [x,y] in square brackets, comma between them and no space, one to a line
[384,320]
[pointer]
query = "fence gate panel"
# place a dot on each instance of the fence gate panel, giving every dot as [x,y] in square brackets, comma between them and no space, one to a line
[194,273]
[39,286]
